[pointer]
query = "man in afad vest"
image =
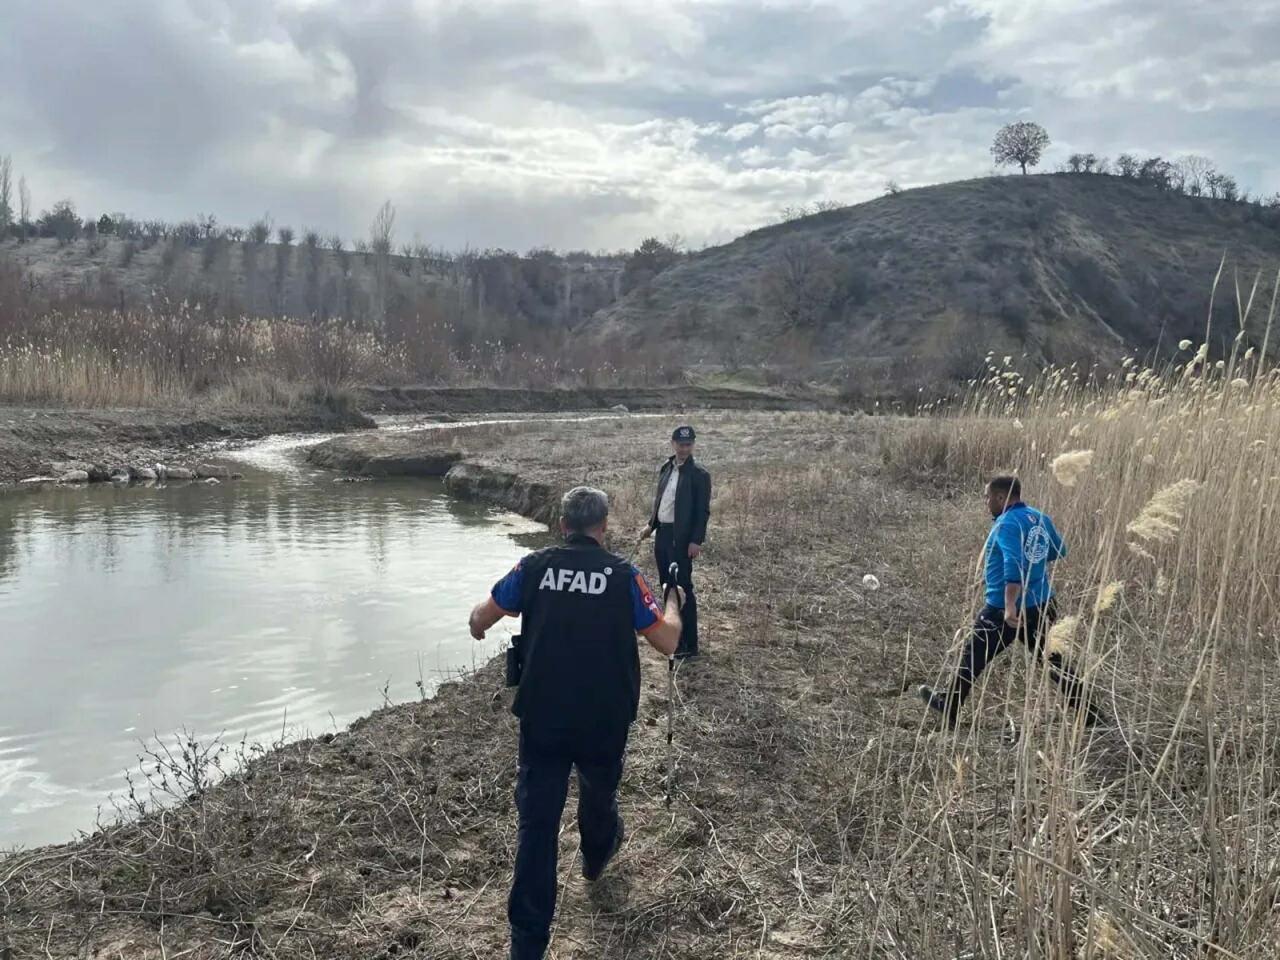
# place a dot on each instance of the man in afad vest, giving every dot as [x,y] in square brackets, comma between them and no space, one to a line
[581,608]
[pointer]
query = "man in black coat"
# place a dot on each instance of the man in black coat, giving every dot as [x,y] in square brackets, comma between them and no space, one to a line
[681,509]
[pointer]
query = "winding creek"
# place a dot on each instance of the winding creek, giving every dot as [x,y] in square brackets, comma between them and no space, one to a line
[284,602]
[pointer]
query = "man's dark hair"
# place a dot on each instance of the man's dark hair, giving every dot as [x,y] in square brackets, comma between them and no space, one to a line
[584,508]
[1007,485]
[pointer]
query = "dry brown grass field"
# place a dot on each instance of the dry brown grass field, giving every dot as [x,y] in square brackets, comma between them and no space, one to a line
[818,811]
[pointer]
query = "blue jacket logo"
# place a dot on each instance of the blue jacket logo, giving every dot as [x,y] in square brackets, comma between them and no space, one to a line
[1038,544]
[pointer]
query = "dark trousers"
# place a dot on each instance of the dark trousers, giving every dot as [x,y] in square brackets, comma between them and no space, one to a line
[991,635]
[542,783]
[666,552]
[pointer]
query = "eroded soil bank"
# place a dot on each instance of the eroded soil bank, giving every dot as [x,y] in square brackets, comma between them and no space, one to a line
[37,441]
[50,442]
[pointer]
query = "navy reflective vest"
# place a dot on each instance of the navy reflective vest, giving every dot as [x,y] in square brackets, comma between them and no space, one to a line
[581,674]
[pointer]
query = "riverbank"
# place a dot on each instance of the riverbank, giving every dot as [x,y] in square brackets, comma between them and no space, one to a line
[52,442]
[519,400]
[395,837]
[44,442]
[818,811]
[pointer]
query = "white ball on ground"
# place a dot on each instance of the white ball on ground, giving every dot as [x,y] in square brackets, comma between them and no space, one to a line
[871,582]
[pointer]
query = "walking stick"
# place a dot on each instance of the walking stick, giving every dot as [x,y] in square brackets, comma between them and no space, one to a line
[673,572]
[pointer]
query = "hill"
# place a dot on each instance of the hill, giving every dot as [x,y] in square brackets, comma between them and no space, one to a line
[916,286]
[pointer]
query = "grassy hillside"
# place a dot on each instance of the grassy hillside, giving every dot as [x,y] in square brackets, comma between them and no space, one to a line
[916,286]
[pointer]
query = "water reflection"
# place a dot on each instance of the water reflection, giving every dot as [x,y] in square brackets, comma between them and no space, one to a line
[132,611]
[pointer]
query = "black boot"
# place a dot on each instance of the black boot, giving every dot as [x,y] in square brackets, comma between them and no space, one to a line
[593,872]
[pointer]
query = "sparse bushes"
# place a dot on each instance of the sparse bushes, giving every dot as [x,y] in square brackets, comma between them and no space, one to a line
[61,222]
[260,230]
[651,258]
[799,211]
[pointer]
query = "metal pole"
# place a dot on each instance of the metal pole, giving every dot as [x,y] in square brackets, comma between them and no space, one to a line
[673,572]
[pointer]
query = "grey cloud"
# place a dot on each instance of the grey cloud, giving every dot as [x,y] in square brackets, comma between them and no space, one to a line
[576,124]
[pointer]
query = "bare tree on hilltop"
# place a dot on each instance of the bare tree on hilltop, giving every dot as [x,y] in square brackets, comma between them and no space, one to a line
[1021,143]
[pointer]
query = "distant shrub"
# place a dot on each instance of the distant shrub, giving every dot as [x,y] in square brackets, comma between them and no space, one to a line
[61,222]
[260,230]
[648,260]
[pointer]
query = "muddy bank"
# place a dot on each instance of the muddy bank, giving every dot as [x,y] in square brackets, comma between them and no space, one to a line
[427,454]
[488,399]
[412,454]
[34,441]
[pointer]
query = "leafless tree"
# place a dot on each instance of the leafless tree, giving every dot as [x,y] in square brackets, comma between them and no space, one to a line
[24,205]
[260,230]
[1221,186]
[284,259]
[1127,165]
[382,233]
[311,241]
[1021,143]
[6,195]
[335,243]
[1193,169]
[208,225]
[1082,162]
[1156,171]
[798,286]
[892,188]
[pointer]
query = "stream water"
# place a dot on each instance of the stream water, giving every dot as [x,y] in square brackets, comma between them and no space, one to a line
[284,602]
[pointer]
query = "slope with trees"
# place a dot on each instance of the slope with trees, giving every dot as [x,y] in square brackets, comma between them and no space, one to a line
[917,286]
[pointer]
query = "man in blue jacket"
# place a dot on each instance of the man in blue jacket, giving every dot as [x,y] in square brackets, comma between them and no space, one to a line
[1019,599]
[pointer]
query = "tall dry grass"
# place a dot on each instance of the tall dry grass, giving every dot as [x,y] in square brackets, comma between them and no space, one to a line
[76,351]
[1160,836]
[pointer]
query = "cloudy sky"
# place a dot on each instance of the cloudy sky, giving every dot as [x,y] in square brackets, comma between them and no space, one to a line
[581,124]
